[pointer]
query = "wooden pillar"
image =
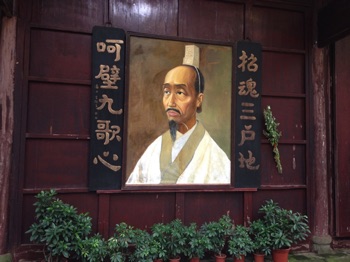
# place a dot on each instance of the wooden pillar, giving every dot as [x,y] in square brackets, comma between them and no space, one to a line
[320,75]
[320,82]
[7,65]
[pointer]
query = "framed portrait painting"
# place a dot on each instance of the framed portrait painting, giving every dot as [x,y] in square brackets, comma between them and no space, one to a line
[178,113]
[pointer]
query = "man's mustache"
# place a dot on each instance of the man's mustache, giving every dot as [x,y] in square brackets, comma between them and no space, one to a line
[173,109]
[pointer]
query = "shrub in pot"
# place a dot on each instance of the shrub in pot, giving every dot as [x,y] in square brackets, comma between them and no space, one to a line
[240,244]
[285,226]
[58,227]
[94,249]
[158,233]
[146,249]
[119,244]
[261,239]
[175,239]
[197,243]
[218,232]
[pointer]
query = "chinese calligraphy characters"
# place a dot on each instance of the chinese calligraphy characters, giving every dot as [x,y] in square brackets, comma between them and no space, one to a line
[107,113]
[248,103]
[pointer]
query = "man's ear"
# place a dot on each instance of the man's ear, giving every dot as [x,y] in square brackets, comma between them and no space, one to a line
[200,98]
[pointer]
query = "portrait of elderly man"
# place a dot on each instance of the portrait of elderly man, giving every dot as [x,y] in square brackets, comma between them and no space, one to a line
[185,153]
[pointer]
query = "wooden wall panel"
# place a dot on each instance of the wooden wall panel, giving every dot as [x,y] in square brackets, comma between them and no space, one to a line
[290,113]
[75,15]
[56,54]
[293,164]
[278,28]
[57,69]
[283,73]
[56,163]
[205,207]
[293,199]
[141,210]
[58,109]
[212,20]
[342,127]
[145,16]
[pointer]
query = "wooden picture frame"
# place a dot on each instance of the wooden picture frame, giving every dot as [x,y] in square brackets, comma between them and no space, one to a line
[149,58]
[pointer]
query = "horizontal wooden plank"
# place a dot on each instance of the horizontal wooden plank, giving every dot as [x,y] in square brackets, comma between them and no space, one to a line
[67,14]
[292,161]
[219,20]
[146,16]
[60,54]
[283,73]
[58,109]
[56,163]
[278,28]
[290,114]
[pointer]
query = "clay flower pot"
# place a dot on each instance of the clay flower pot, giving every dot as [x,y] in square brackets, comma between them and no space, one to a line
[259,257]
[242,259]
[280,255]
[220,258]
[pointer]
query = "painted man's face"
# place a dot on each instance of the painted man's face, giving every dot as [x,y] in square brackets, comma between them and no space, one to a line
[179,97]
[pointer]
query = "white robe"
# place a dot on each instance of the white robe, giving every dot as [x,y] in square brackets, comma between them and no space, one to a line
[210,165]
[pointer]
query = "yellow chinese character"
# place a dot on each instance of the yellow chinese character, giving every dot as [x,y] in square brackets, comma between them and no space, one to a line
[248,87]
[106,133]
[247,134]
[252,66]
[113,47]
[105,163]
[109,76]
[109,101]
[248,163]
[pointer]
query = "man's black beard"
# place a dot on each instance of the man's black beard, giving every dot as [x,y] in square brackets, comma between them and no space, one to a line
[173,128]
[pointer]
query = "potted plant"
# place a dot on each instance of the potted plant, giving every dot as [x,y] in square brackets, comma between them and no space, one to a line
[197,243]
[175,240]
[240,243]
[94,249]
[146,249]
[285,226]
[159,232]
[58,227]
[261,239]
[218,232]
[119,244]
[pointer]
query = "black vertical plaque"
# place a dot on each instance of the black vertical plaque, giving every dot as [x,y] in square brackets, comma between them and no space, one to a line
[248,66]
[107,112]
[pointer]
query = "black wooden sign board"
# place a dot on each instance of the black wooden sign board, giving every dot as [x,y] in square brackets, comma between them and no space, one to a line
[248,66]
[107,112]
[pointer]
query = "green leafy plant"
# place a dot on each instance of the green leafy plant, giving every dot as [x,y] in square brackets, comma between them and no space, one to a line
[285,226]
[119,243]
[273,135]
[197,243]
[240,244]
[261,238]
[218,232]
[145,247]
[176,238]
[94,249]
[59,227]
[159,231]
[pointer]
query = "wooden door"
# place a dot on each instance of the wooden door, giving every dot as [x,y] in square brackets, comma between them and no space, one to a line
[342,137]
